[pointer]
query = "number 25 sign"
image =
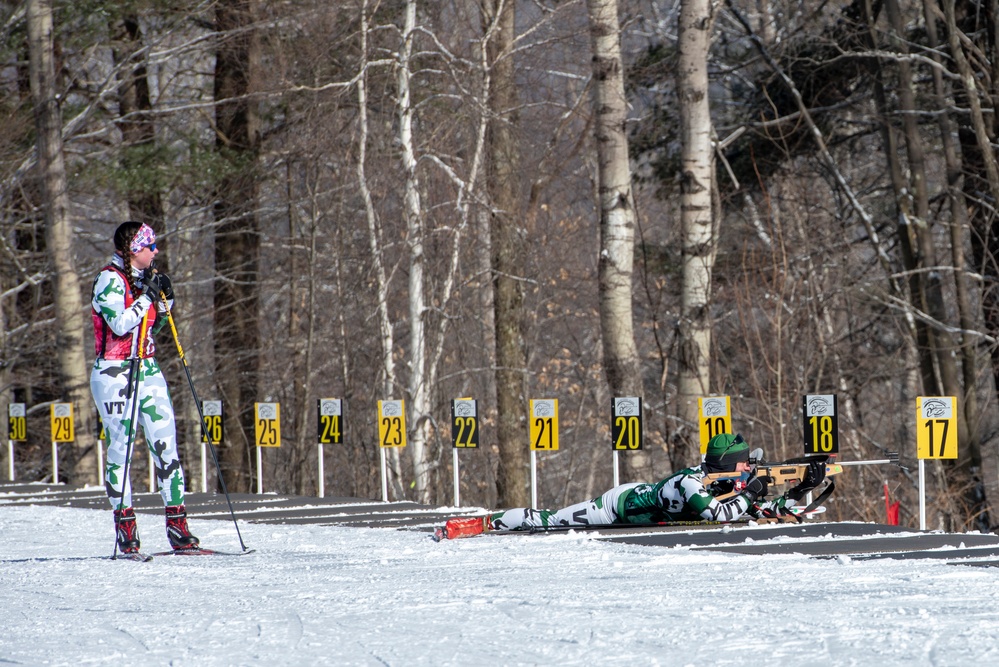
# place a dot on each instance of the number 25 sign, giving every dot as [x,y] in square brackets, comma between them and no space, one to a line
[936,427]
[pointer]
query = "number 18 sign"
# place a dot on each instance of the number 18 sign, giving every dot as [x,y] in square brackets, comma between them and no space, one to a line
[821,424]
[936,427]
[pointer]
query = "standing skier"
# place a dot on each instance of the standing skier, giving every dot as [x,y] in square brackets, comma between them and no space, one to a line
[128,310]
[683,496]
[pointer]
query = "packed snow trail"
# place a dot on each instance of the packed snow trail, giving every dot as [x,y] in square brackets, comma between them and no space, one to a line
[316,594]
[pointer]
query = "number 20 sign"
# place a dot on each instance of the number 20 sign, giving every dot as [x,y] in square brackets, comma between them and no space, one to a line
[936,427]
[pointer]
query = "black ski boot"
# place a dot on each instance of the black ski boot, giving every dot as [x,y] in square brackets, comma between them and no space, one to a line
[128,534]
[177,531]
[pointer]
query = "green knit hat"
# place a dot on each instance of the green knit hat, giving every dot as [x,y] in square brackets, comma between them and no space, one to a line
[725,451]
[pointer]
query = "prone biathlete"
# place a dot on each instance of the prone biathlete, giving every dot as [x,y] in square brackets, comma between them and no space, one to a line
[683,496]
[127,311]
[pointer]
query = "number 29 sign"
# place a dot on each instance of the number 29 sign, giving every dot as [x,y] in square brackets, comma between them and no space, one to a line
[936,427]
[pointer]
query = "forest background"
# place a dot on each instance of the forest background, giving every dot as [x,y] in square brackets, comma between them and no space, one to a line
[516,199]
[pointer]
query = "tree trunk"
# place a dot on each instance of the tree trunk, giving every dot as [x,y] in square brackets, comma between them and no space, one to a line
[699,230]
[617,217]
[419,391]
[508,246]
[81,460]
[137,129]
[237,240]
[982,486]
[386,336]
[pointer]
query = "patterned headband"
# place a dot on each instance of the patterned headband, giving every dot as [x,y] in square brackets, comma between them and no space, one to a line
[144,237]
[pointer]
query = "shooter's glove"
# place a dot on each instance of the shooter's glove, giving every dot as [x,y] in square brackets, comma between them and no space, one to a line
[158,286]
[755,489]
[813,477]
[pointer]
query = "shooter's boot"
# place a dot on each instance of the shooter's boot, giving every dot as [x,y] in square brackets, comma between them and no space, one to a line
[128,534]
[177,531]
[462,527]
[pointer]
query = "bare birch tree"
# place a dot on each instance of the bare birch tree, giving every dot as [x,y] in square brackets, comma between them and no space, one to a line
[418,390]
[617,215]
[375,243]
[699,229]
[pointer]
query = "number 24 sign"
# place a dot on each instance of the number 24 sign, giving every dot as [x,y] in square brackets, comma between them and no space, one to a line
[936,427]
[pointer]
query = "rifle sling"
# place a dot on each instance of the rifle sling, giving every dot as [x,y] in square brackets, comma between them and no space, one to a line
[826,492]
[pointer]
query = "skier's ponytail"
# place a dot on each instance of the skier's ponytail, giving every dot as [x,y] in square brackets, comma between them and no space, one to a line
[122,240]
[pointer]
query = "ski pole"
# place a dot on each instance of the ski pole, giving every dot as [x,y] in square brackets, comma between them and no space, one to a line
[132,389]
[201,415]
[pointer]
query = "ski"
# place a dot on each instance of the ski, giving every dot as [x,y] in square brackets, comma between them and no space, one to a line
[624,526]
[810,514]
[136,556]
[200,551]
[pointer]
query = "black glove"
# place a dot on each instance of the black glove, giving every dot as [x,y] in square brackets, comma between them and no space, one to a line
[813,477]
[154,283]
[755,489]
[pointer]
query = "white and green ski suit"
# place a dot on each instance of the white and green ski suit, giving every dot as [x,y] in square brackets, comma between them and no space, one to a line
[124,325]
[680,497]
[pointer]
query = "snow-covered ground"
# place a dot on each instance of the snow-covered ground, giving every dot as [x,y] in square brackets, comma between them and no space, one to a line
[320,595]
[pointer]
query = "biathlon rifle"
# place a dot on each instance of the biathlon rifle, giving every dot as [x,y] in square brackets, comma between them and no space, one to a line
[791,471]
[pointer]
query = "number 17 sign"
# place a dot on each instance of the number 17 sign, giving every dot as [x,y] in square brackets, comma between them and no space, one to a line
[936,427]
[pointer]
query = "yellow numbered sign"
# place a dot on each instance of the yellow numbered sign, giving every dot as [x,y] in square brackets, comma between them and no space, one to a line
[626,424]
[392,423]
[544,424]
[821,424]
[267,424]
[62,422]
[17,422]
[713,417]
[212,412]
[464,423]
[330,426]
[936,427]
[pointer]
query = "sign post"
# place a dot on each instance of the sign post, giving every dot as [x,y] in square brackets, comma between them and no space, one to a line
[330,429]
[544,436]
[214,429]
[61,419]
[17,431]
[936,438]
[464,435]
[714,416]
[101,439]
[626,428]
[267,427]
[391,433]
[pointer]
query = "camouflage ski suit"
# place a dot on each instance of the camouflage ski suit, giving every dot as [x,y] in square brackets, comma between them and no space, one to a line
[680,497]
[123,331]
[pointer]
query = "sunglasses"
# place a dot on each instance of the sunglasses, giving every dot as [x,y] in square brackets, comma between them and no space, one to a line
[151,247]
